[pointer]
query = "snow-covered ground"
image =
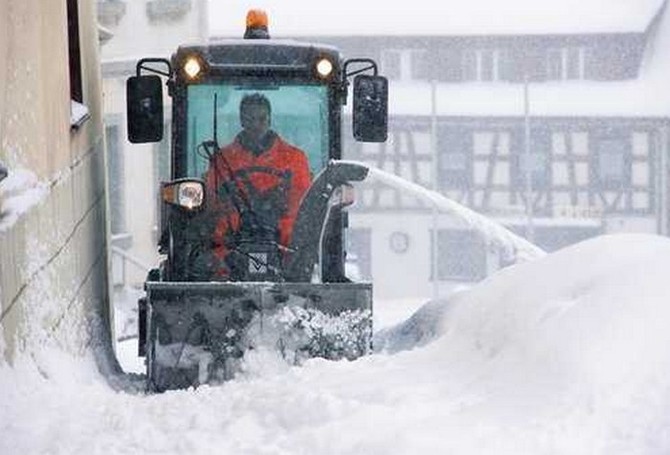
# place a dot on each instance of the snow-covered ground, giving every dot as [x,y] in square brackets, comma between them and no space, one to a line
[566,354]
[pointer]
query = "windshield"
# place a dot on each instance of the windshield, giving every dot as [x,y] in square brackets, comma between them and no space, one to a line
[299,116]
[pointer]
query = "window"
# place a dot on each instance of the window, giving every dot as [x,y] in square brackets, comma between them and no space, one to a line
[461,255]
[405,64]
[482,65]
[359,254]
[115,169]
[76,92]
[574,63]
[167,10]
[391,64]
[537,162]
[78,111]
[299,115]
[3,171]
[455,158]
[565,63]
[110,12]
[611,161]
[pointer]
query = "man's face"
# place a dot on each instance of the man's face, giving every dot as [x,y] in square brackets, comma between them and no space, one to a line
[255,120]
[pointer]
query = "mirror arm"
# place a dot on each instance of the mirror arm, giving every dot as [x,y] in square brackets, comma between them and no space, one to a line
[344,85]
[141,66]
[371,65]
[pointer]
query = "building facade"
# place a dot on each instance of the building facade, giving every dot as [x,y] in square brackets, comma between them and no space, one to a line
[53,225]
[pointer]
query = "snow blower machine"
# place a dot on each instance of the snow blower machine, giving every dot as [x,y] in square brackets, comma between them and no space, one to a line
[253,222]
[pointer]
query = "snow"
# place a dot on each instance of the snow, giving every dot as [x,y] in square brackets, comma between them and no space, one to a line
[78,114]
[430,18]
[20,191]
[494,233]
[565,354]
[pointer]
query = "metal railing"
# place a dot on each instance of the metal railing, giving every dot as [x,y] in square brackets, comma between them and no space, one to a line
[126,258]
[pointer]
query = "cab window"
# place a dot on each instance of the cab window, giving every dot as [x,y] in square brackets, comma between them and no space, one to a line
[299,115]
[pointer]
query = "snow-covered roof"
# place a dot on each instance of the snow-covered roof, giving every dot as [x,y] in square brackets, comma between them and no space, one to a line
[550,99]
[444,18]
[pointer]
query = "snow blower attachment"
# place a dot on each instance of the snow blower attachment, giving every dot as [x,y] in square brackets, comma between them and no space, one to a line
[199,332]
[254,245]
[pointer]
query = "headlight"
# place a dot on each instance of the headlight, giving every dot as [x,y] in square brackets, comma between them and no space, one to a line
[324,67]
[187,193]
[192,67]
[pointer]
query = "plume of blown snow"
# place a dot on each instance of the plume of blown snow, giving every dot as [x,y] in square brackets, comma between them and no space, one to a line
[493,233]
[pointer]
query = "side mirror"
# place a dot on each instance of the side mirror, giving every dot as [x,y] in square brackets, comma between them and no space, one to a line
[370,108]
[144,103]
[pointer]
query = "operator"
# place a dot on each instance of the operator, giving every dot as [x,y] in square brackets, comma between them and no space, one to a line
[255,185]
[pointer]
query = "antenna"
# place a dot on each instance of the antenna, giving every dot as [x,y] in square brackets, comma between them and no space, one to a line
[215,139]
[207,149]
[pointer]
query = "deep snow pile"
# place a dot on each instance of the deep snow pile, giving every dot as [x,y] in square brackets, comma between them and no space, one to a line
[567,354]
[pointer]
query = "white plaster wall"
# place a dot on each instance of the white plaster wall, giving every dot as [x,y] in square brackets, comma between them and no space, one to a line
[53,259]
[406,275]
[137,36]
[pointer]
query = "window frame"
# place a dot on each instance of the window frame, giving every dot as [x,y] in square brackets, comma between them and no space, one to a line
[481,63]
[566,58]
[450,178]
[407,68]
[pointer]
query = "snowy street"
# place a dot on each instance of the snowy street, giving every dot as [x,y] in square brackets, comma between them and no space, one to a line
[335,228]
[565,354]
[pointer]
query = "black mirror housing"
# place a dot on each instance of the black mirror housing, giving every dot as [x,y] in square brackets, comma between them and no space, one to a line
[144,104]
[370,109]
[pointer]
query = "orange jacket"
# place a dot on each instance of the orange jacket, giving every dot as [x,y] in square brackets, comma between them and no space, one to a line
[234,160]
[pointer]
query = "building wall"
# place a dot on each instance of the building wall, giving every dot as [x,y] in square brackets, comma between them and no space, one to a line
[53,265]
[138,33]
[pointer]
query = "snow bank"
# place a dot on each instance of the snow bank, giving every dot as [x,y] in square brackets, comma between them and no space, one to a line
[568,354]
